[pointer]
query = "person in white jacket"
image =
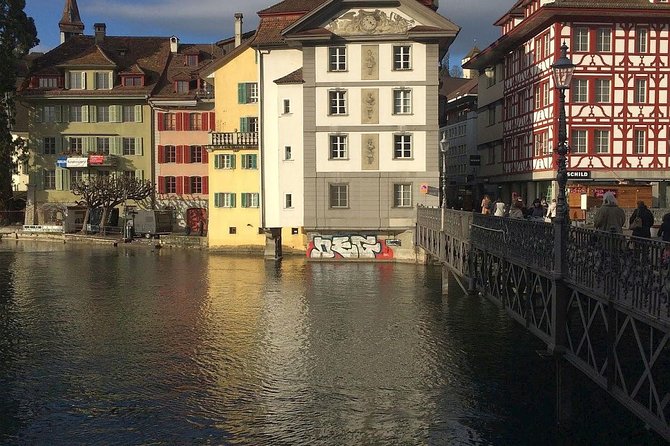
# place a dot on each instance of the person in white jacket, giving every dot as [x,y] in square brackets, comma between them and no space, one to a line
[551,212]
[499,208]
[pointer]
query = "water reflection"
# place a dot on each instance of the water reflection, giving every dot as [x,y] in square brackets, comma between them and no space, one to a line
[129,346]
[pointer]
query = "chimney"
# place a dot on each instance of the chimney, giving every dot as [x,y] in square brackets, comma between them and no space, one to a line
[100,32]
[174,44]
[238,29]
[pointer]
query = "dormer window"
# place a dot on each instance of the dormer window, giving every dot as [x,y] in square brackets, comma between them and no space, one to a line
[48,82]
[132,81]
[103,80]
[181,86]
[76,80]
[192,60]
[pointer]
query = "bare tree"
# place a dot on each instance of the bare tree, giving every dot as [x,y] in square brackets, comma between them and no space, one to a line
[109,192]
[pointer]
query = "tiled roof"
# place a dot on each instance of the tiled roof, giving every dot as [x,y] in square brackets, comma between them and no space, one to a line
[134,69]
[270,28]
[288,6]
[453,87]
[291,78]
[219,62]
[149,54]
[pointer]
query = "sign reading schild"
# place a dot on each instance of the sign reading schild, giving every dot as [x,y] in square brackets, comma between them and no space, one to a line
[579,174]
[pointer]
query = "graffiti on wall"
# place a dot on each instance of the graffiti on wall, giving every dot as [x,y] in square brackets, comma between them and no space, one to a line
[349,247]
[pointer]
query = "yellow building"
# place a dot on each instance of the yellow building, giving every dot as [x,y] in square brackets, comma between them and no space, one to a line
[234,166]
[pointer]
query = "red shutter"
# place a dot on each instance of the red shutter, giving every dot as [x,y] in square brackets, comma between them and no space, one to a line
[205,185]
[212,121]
[161,185]
[187,185]
[180,123]
[187,154]
[180,185]
[205,155]
[161,122]
[161,154]
[205,122]
[61,81]
[180,154]
[34,82]
[187,121]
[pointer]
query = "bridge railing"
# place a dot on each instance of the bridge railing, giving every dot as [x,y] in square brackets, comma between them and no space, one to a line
[633,272]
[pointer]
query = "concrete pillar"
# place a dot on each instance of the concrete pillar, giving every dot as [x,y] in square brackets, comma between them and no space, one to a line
[446,277]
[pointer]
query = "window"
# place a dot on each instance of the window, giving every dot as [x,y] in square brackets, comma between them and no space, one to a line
[128,113]
[579,90]
[287,153]
[338,147]
[196,154]
[129,147]
[538,97]
[77,176]
[181,86]
[75,113]
[224,200]
[232,230]
[226,161]
[247,92]
[640,40]
[578,141]
[640,91]
[102,145]
[249,161]
[288,201]
[49,113]
[602,141]
[337,58]
[402,146]
[130,174]
[492,115]
[170,154]
[580,39]
[402,195]
[402,57]
[541,143]
[545,94]
[338,195]
[75,79]
[191,60]
[639,142]
[196,185]
[195,121]
[249,124]
[287,106]
[132,81]
[49,145]
[604,40]
[76,144]
[402,101]
[602,90]
[169,121]
[48,82]
[102,81]
[49,179]
[102,113]
[170,185]
[249,200]
[337,102]
[490,77]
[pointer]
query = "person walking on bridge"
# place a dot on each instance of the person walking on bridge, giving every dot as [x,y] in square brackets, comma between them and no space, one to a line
[641,221]
[609,217]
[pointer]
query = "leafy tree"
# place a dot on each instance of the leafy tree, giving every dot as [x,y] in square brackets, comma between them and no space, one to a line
[109,192]
[17,35]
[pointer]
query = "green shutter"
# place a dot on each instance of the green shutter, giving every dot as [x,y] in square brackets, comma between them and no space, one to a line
[111,80]
[60,178]
[217,161]
[84,113]
[113,113]
[232,199]
[116,145]
[65,113]
[242,93]
[244,125]
[244,200]
[138,147]
[92,113]
[233,158]
[139,174]
[83,80]
[138,113]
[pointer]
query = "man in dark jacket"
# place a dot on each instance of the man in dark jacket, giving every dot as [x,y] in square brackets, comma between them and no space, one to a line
[646,218]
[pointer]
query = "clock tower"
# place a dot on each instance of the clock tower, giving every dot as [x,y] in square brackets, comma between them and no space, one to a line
[70,24]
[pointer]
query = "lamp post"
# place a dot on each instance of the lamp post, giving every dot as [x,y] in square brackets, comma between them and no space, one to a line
[562,70]
[444,146]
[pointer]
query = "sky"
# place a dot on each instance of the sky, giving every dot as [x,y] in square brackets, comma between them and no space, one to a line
[207,21]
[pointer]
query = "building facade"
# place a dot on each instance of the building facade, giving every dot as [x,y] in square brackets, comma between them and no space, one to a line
[617,106]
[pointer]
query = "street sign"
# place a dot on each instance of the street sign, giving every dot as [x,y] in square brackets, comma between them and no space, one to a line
[579,174]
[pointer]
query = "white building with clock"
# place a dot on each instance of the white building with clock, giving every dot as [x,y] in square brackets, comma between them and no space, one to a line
[349,121]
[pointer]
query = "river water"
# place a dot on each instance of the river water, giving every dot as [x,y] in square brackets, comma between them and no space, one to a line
[131,346]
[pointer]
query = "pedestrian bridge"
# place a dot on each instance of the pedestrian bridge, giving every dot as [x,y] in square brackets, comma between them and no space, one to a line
[600,301]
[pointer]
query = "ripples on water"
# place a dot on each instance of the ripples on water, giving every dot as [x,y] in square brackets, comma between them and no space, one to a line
[127,346]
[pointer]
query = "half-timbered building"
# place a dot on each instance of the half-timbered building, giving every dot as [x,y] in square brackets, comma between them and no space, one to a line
[618,114]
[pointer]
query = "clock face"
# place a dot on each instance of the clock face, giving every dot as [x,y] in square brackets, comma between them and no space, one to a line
[368,23]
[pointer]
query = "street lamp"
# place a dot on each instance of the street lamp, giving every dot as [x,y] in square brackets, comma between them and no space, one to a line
[562,71]
[444,146]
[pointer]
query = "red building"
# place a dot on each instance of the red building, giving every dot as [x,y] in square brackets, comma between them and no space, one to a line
[618,113]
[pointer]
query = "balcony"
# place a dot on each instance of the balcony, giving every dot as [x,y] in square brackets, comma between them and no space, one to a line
[233,140]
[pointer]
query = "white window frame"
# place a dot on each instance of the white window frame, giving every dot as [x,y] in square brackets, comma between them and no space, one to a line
[603,40]
[580,90]
[402,195]
[579,141]
[103,76]
[76,80]
[580,39]
[102,144]
[288,201]
[49,145]
[102,113]
[402,101]
[601,140]
[286,106]
[337,58]
[249,200]
[246,161]
[226,161]
[403,146]
[342,199]
[224,200]
[128,146]
[49,113]
[640,90]
[338,147]
[337,102]
[603,90]
[641,40]
[288,153]
[402,57]
[639,142]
